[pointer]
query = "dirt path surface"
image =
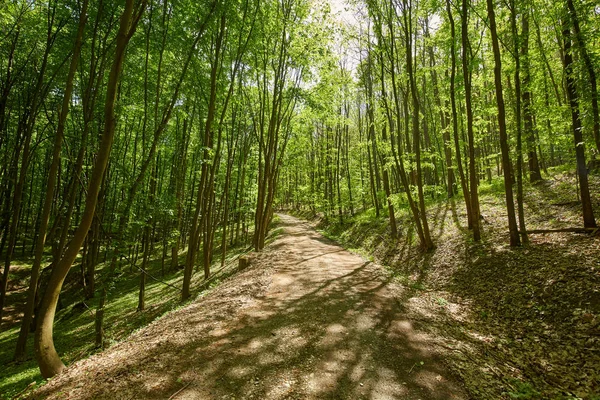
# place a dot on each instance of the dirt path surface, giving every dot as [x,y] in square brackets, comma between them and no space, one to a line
[308,320]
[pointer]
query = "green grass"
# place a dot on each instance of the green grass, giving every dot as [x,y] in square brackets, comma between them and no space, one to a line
[74,323]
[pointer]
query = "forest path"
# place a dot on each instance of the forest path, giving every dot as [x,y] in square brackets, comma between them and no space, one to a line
[308,320]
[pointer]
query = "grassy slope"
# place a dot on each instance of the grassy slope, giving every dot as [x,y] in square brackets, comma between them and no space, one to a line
[520,322]
[74,324]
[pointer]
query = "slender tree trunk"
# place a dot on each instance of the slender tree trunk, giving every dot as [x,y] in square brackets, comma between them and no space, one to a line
[148,237]
[50,185]
[25,130]
[459,166]
[474,195]
[46,355]
[445,127]
[197,223]
[589,221]
[506,165]
[528,125]
[386,180]
[589,66]
[404,178]
[518,117]
[372,152]
[427,242]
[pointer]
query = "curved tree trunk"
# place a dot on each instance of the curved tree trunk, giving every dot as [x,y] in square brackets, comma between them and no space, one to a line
[48,360]
[51,183]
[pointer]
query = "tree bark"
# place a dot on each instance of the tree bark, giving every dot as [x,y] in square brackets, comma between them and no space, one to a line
[48,360]
[589,221]
[474,195]
[589,66]
[51,183]
[518,118]
[506,165]
[534,165]
[459,166]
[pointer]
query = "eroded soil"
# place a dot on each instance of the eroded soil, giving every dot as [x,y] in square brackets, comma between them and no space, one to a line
[307,320]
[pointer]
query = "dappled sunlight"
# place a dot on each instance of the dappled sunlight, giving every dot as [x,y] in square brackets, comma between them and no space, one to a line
[327,326]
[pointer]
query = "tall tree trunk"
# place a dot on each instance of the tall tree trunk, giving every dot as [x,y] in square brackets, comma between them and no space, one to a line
[197,222]
[386,180]
[445,127]
[25,130]
[589,221]
[404,178]
[46,355]
[459,166]
[589,66]
[474,195]
[50,185]
[506,165]
[427,242]
[532,158]
[148,239]
[518,118]
[372,152]
[180,172]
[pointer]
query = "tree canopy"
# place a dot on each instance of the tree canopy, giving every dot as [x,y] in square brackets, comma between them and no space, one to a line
[130,128]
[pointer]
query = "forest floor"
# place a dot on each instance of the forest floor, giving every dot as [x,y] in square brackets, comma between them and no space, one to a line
[307,320]
[74,323]
[522,322]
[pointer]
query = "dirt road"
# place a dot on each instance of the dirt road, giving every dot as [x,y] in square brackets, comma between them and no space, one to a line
[308,320]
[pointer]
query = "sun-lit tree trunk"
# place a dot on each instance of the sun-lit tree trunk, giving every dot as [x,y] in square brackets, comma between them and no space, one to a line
[506,165]
[582,47]
[372,153]
[408,37]
[48,359]
[467,76]
[459,166]
[589,221]
[386,179]
[399,109]
[274,119]
[51,184]
[202,199]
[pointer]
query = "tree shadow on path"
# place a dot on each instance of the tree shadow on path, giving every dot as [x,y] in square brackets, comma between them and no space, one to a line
[328,326]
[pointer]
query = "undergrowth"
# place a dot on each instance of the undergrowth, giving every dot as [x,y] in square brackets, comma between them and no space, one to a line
[530,321]
[74,321]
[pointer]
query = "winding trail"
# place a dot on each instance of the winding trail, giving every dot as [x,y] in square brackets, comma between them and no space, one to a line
[307,320]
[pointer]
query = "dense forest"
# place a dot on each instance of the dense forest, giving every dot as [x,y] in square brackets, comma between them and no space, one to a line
[147,142]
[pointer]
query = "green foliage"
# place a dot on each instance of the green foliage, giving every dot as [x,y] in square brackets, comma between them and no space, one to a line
[226,107]
[524,391]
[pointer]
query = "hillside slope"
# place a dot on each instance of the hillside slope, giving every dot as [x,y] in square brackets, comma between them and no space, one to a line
[308,319]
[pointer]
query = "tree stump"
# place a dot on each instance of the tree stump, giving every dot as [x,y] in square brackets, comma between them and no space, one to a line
[244,262]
